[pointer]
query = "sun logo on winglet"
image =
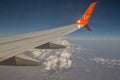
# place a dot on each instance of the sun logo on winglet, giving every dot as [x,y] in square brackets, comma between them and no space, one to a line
[86,17]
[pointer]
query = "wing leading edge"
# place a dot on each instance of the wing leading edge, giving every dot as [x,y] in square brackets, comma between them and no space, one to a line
[11,46]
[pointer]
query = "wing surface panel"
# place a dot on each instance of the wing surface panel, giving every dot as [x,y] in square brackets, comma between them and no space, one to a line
[9,49]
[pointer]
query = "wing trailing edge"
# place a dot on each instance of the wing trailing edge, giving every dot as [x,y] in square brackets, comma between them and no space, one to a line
[20,60]
[50,45]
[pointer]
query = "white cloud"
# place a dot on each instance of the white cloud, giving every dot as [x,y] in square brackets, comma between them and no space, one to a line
[55,59]
[51,62]
[107,61]
[65,61]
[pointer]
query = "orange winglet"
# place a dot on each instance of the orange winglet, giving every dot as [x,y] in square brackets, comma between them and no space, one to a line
[86,16]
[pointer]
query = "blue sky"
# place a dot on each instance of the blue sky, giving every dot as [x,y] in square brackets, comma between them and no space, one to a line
[21,16]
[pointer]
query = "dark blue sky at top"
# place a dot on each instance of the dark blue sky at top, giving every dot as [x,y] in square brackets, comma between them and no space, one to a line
[21,16]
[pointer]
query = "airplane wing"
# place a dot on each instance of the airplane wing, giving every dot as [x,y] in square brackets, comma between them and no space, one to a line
[12,46]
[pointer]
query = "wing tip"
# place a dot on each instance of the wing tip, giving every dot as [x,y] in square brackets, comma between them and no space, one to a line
[88,28]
